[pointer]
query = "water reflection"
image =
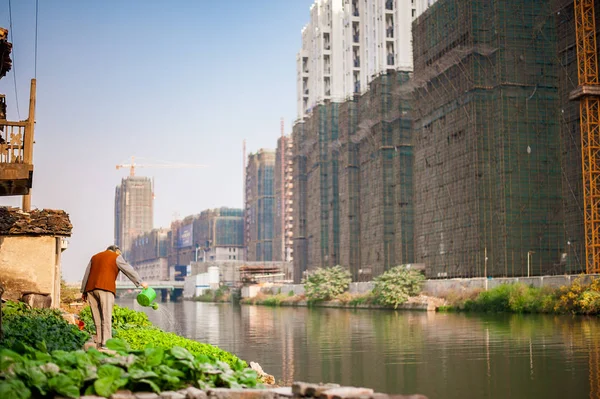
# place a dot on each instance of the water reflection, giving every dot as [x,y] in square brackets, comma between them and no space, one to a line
[439,355]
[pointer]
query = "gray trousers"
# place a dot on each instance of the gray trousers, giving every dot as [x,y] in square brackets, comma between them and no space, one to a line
[101,304]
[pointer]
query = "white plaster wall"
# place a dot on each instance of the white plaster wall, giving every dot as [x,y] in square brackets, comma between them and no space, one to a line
[30,264]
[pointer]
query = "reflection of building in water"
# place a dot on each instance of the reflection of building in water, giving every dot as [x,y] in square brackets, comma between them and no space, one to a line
[202,322]
[287,353]
[594,354]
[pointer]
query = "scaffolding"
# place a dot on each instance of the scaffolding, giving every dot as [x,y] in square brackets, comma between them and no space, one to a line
[487,158]
[300,242]
[349,158]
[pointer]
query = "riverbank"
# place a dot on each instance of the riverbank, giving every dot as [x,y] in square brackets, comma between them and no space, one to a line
[346,300]
[582,296]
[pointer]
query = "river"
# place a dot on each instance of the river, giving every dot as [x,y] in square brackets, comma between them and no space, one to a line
[439,355]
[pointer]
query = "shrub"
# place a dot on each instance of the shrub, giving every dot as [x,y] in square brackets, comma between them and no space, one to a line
[579,298]
[139,339]
[516,298]
[68,294]
[44,328]
[395,286]
[326,283]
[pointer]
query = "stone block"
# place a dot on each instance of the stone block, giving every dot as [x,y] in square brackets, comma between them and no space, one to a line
[171,395]
[146,395]
[311,390]
[37,299]
[346,393]
[223,393]
[283,392]
[195,393]
[123,394]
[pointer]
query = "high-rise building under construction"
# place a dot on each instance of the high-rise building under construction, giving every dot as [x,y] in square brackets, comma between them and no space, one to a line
[260,206]
[487,139]
[134,210]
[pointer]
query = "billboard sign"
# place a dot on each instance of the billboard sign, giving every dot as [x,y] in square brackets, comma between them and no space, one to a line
[180,272]
[185,236]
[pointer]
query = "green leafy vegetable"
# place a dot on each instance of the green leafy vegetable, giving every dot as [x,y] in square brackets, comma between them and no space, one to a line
[29,373]
[44,329]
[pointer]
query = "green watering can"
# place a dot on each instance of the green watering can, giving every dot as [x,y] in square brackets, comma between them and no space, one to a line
[146,297]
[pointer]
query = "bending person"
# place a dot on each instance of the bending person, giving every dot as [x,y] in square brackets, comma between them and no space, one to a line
[99,287]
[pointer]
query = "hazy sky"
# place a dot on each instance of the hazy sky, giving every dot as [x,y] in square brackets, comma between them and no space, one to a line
[179,81]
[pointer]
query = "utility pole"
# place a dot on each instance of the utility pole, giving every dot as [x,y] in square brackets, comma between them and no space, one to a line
[282,194]
[28,140]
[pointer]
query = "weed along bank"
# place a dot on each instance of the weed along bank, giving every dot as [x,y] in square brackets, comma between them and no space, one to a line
[404,289]
[31,246]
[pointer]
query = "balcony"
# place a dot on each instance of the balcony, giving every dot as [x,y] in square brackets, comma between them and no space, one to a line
[16,168]
[389,5]
[16,152]
[355,8]
[326,42]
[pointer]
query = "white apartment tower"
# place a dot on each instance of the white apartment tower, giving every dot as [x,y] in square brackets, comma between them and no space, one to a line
[349,42]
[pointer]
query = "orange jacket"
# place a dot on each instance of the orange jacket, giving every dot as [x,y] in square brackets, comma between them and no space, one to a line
[103,272]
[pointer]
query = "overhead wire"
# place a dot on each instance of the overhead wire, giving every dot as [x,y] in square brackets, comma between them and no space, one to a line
[14,67]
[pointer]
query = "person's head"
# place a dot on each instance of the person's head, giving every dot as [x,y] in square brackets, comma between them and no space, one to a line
[115,249]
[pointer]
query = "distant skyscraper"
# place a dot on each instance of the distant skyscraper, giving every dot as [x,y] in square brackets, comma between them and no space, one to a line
[260,206]
[134,210]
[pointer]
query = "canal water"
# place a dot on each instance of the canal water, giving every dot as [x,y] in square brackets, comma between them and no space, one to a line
[438,355]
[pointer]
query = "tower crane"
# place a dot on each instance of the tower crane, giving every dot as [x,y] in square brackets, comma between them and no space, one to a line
[588,95]
[134,165]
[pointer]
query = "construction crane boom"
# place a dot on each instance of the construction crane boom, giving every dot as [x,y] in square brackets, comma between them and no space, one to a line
[588,94]
[134,165]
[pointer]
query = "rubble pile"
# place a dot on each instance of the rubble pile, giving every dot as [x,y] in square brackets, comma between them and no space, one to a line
[13,221]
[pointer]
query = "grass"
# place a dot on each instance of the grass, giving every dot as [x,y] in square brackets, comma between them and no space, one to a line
[274,299]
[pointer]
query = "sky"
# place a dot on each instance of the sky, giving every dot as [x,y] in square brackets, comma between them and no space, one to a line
[182,81]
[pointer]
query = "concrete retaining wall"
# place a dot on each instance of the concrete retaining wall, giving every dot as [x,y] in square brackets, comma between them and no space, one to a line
[443,287]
